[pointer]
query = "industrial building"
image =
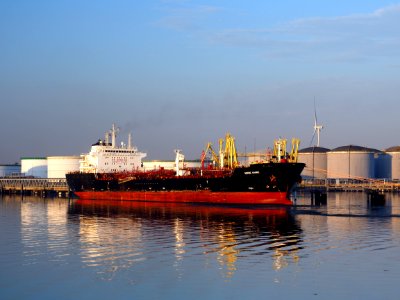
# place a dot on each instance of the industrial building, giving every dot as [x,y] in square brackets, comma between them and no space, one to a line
[10,170]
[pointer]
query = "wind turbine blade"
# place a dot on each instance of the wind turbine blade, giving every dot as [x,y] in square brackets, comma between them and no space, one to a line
[315,114]
[313,136]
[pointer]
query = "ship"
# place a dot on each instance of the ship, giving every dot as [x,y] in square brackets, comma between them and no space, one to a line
[111,172]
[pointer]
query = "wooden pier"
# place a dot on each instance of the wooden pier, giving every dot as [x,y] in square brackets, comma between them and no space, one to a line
[35,186]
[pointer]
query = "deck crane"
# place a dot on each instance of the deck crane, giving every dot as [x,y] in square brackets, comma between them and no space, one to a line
[295,149]
[214,156]
[227,157]
[280,150]
[230,153]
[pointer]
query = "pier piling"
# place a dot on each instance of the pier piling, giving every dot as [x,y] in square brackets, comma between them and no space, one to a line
[376,198]
[318,198]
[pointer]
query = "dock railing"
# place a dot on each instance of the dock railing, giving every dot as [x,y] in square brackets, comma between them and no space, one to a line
[350,185]
[33,185]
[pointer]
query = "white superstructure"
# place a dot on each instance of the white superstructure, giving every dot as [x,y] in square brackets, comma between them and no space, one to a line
[105,157]
[179,162]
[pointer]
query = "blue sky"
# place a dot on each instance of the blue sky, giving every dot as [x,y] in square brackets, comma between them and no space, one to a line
[178,74]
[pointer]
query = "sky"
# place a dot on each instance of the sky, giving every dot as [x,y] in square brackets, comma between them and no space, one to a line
[179,73]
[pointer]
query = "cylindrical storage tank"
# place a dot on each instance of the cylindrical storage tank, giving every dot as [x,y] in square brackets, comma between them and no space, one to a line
[9,170]
[383,165]
[316,162]
[58,166]
[34,166]
[351,162]
[394,153]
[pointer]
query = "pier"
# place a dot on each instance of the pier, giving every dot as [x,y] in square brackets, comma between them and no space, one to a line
[59,187]
[349,186]
[35,186]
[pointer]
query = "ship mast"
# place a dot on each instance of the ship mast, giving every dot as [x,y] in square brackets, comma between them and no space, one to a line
[106,138]
[114,132]
[130,140]
[179,159]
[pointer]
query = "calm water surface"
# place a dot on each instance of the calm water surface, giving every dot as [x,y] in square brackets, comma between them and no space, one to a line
[66,249]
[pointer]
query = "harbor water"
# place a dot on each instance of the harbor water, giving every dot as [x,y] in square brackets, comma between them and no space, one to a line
[72,249]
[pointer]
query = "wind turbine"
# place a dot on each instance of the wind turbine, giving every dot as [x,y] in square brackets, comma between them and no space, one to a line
[317,128]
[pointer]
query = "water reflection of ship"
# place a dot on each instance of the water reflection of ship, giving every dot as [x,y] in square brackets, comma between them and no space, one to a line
[226,233]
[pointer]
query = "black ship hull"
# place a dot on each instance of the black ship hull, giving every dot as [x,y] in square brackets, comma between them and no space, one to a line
[263,183]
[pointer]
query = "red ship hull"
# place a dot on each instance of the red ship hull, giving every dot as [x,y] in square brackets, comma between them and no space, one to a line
[205,196]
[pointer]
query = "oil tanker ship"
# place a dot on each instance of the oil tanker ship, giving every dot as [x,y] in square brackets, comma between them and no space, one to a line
[111,172]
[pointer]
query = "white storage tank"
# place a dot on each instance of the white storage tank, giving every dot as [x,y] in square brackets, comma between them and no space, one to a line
[34,166]
[10,170]
[351,162]
[316,161]
[394,153]
[58,166]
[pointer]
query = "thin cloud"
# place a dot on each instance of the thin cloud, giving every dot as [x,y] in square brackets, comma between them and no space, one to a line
[351,38]
[344,38]
[384,21]
[185,17]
